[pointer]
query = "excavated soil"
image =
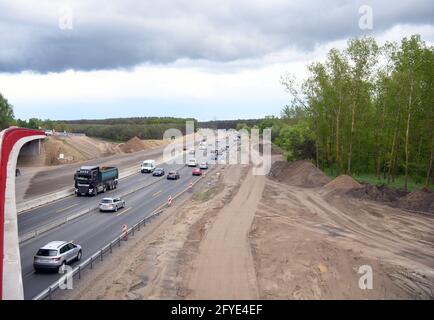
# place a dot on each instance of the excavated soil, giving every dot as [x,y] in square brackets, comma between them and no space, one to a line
[135,145]
[298,173]
[420,200]
[343,182]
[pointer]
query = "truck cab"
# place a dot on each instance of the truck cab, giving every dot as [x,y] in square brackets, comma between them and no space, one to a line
[148,166]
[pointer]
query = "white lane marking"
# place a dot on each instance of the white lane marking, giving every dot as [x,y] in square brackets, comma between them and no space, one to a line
[123,212]
[64,209]
[157,193]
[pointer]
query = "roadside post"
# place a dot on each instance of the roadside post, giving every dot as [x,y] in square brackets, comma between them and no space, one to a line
[124,232]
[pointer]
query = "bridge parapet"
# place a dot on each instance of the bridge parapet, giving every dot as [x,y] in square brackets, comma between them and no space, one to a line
[11,142]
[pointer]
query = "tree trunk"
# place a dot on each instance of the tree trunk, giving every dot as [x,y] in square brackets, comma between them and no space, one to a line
[350,151]
[331,164]
[392,157]
[337,143]
[407,134]
[428,172]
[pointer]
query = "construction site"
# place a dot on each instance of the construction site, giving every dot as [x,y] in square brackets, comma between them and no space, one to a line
[294,234]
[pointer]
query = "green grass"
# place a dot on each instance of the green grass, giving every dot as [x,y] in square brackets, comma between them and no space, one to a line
[397,184]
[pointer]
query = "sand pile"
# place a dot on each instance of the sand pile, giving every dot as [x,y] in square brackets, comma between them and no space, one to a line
[132,145]
[420,200]
[135,145]
[299,173]
[343,182]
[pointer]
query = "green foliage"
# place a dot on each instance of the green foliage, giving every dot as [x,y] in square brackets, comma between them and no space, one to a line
[369,110]
[6,113]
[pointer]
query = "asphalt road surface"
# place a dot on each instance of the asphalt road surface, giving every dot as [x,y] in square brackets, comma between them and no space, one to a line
[94,230]
[60,177]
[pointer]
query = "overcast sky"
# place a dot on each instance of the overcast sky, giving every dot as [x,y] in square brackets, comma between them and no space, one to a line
[205,59]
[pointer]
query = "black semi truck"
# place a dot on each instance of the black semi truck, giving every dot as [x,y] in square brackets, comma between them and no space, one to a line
[94,180]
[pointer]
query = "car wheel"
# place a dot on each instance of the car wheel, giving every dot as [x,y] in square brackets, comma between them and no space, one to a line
[79,256]
[116,209]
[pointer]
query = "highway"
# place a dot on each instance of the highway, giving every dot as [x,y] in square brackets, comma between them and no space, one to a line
[94,230]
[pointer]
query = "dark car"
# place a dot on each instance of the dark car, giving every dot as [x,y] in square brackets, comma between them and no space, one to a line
[173,175]
[158,172]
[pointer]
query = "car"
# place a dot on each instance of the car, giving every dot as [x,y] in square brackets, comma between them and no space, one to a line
[192,162]
[203,165]
[55,255]
[173,175]
[111,204]
[17,172]
[158,172]
[196,172]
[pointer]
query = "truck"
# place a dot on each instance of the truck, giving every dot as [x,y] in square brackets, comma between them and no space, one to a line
[91,180]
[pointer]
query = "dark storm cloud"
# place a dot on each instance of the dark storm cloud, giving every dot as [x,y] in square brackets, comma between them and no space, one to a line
[129,33]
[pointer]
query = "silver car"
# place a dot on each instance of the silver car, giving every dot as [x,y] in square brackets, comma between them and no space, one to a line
[55,255]
[111,204]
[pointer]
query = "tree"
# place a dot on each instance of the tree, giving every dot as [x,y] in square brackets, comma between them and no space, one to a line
[6,113]
[368,108]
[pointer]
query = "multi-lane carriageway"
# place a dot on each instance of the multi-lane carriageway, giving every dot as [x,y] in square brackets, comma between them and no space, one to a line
[94,230]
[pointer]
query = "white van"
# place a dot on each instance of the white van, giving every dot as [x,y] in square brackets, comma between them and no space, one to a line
[192,162]
[148,166]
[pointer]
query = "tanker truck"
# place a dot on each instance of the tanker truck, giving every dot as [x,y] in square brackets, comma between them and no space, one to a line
[91,180]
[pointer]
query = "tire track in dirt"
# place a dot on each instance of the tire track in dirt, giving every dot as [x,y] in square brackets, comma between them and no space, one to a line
[224,267]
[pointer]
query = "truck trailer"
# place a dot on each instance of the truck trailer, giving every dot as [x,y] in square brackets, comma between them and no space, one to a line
[91,180]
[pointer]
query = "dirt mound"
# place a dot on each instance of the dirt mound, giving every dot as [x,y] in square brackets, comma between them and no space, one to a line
[420,200]
[133,145]
[375,193]
[343,182]
[299,173]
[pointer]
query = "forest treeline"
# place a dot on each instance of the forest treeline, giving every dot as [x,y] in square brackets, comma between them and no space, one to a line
[365,109]
[116,129]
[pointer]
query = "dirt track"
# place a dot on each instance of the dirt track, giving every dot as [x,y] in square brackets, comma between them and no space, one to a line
[224,268]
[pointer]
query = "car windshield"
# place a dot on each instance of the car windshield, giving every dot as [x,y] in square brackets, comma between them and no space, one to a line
[46,253]
[147,164]
[172,172]
[106,201]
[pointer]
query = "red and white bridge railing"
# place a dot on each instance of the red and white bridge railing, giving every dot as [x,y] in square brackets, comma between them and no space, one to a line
[11,142]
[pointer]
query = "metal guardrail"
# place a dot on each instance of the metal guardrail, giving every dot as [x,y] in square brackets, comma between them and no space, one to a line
[108,248]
